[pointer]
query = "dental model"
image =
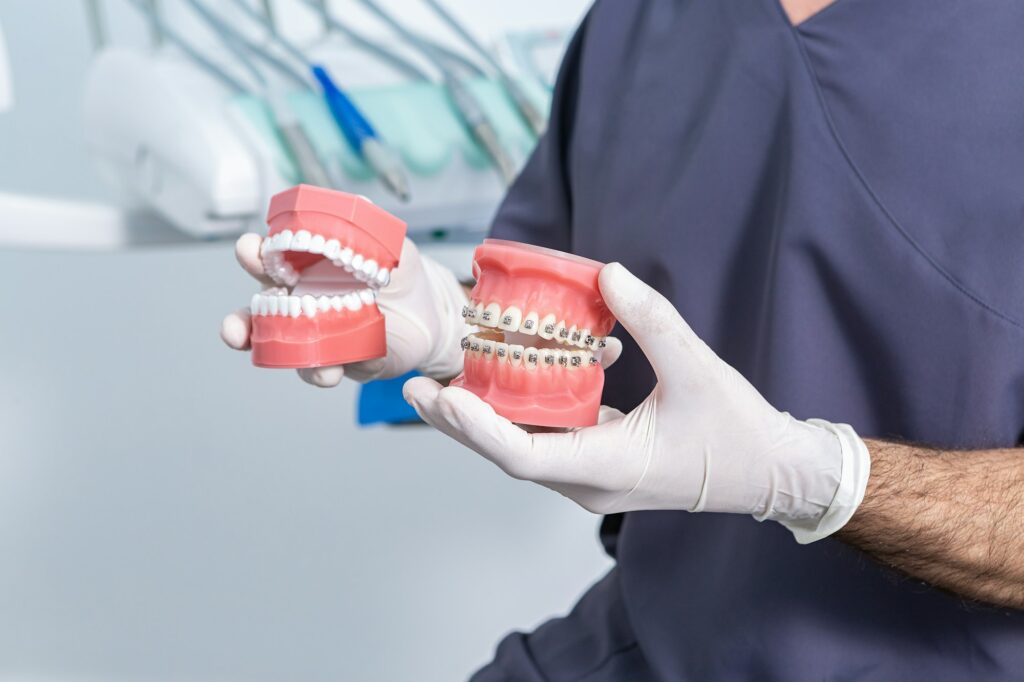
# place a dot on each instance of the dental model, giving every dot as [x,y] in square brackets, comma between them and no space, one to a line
[536,360]
[329,253]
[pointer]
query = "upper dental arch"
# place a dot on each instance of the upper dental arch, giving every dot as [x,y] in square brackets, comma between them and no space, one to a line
[512,319]
[272,253]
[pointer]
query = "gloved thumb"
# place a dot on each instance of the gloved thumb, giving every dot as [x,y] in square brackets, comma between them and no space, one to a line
[651,320]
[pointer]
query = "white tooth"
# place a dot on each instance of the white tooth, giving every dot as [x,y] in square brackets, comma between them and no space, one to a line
[594,343]
[531,358]
[562,358]
[383,277]
[584,334]
[286,273]
[465,343]
[309,305]
[490,315]
[370,268]
[272,302]
[265,245]
[359,275]
[294,306]
[530,324]
[474,344]
[301,240]
[332,248]
[264,309]
[317,243]
[282,305]
[547,328]
[561,332]
[469,312]
[367,296]
[344,258]
[336,303]
[479,310]
[487,347]
[547,358]
[511,319]
[357,262]
[254,305]
[515,354]
[500,351]
[283,240]
[352,302]
[574,336]
[323,303]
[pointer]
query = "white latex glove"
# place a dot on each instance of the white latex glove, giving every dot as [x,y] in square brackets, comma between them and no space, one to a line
[703,440]
[422,308]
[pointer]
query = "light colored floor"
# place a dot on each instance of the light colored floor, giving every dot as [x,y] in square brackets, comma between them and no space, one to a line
[169,512]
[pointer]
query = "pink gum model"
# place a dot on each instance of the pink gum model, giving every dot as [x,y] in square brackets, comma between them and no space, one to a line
[536,364]
[329,252]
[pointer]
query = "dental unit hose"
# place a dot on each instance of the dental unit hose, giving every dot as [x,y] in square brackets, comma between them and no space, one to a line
[353,124]
[527,109]
[362,136]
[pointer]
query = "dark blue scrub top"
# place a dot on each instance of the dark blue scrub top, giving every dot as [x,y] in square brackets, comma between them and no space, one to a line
[837,210]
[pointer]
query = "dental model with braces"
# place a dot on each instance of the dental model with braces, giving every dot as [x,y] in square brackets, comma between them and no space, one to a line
[536,359]
[329,253]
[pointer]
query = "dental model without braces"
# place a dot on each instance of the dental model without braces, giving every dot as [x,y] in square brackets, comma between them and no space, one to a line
[536,360]
[329,253]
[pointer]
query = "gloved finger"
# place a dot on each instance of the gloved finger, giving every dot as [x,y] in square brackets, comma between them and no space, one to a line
[322,377]
[247,251]
[367,370]
[235,329]
[472,422]
[611,351]
[665,338]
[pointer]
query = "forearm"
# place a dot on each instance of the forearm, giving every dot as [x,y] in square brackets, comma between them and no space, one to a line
[953,519]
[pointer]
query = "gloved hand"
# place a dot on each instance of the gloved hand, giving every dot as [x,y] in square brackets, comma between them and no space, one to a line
[422,306]
[703,440]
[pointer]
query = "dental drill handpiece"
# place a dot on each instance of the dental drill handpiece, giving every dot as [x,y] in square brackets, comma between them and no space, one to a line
[362,136]
[480,127]
[353,124]
[470,110]
[527,109]
[293,136]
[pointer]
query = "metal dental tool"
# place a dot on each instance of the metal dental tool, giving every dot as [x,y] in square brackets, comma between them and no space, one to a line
[293,135]
[357,130]
[527,109]
[390,57]
[466,103]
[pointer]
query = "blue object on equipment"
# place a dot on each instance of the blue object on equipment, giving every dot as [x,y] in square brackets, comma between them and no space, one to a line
[353,124]
[381,402]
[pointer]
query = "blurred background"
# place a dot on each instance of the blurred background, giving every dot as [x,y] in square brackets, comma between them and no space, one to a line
[168,511]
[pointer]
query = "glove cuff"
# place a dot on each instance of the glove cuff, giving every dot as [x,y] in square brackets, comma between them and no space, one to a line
[853,481]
